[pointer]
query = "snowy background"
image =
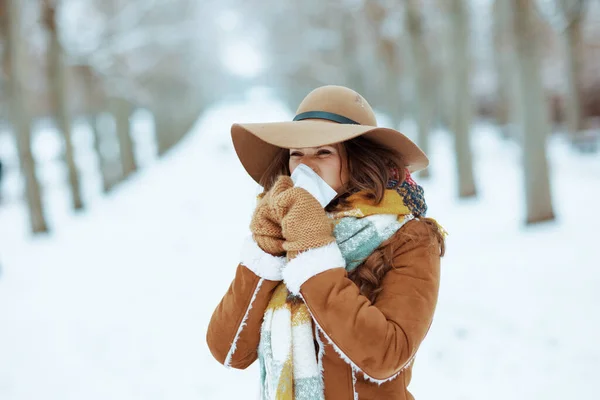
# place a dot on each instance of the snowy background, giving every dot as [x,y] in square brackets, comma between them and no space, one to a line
[115,302]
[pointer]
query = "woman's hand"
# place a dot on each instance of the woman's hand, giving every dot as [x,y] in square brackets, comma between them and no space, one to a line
[304,223]
[265,226]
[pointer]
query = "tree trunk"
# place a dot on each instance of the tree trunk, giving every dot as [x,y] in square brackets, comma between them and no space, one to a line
[21,121]
[92,111]
[574,58]
[185,121]
[422,70]
[384,92]
[59,94]
[349,47]
[535,125]
[461,100]
[172,126]
[121,110]
[103,165]
[391,98]
[506,65]
[501,111]
[163,126]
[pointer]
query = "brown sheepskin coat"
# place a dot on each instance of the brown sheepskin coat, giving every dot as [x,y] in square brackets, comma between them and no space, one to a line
[368,348]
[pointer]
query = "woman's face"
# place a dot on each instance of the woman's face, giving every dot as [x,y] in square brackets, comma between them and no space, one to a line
[329,162]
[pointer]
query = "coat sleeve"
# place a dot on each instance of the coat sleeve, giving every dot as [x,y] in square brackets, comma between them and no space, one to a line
[378,339]
[233,333]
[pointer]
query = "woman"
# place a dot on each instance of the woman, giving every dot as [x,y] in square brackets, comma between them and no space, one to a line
[333,302]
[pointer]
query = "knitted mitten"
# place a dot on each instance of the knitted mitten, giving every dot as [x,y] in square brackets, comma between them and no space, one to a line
[304,223]
[266,229]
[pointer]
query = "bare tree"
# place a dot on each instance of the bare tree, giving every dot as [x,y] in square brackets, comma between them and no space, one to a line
[501,63]
[573,14]
[460,92]
[59,95]
[566,16]
[351,39]
[383,25]
[509,108]
[21,120]
[121,111]
[92,96]
[174,112]
[422,72]
[535,126]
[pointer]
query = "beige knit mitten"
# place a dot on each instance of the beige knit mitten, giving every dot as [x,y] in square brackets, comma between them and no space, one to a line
[304,223]
[265,227]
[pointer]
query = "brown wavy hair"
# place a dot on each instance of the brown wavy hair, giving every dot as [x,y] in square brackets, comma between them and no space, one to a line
[369,165]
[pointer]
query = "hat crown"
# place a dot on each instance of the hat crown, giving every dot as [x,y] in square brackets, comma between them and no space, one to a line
[339,100]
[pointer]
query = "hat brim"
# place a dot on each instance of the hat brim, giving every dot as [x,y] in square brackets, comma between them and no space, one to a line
[257,144]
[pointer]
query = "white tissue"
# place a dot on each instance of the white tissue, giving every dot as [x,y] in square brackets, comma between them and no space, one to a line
[309,180]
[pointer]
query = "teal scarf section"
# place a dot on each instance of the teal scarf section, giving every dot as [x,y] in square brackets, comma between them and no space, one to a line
[357,238]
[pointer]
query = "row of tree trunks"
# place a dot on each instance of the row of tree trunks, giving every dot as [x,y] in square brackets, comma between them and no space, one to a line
[170,127]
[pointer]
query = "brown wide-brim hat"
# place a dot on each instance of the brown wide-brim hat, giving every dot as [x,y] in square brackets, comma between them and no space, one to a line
[327,115]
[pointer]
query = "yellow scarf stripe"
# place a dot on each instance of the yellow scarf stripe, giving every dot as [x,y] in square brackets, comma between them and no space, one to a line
[300,315]
[278,299]
[362,206]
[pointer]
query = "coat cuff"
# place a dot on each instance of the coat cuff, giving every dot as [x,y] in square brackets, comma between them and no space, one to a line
[260,262]
[310,263]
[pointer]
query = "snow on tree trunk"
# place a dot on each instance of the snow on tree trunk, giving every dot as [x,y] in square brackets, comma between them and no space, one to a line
[121,110]
[59,98]
[422,70]
[461,99]
[535,126]
[19,116]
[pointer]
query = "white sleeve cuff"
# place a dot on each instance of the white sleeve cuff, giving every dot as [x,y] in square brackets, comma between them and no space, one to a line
[260,262]
[310,263]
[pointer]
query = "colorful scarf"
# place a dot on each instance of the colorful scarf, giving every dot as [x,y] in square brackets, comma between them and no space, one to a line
[289,368]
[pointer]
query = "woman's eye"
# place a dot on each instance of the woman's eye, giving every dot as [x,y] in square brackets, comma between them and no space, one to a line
[324,152]
[295,154]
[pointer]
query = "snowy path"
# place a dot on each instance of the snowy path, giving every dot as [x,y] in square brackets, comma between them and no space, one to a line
[115,303]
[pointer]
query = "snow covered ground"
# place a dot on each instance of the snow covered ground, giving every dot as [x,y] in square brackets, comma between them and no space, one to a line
[114,304]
